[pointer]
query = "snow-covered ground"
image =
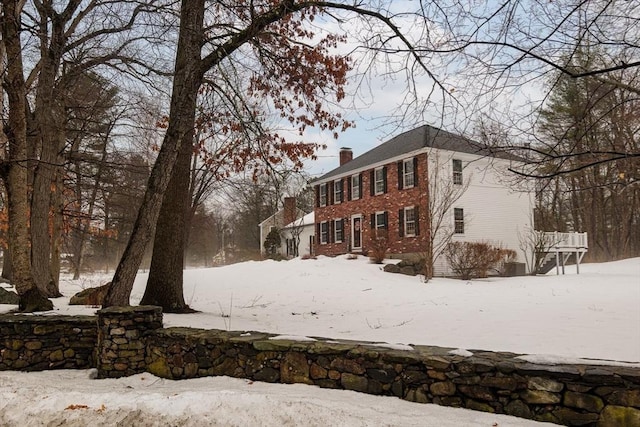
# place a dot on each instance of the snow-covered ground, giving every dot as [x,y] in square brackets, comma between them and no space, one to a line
[551,318]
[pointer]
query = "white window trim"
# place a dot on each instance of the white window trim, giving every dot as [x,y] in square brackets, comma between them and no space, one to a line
[405,174]
[376,180]
[457,176]
[355,188]
[383,224]
[455,222]
[337,191]
[337,229]
[326,235]
[320,195]
[406,232]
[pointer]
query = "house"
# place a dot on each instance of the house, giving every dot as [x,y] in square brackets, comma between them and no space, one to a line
[299,237]
[288,214]
[423,183]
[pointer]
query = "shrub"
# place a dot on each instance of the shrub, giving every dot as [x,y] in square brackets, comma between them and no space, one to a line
[379,245]
[474,259]
[272,242]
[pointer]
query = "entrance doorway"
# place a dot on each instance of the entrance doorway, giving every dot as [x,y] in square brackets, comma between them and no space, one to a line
[356,233]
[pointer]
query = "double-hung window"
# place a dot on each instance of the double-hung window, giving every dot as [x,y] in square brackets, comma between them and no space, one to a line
[408,173]
[379,180]
[338,231]
[322,195]
[324,232]
[355,187]
[457,171]
[458,218]
[410,221]
[337,191]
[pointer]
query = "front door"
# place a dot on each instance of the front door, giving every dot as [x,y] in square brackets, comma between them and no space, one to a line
[356,232]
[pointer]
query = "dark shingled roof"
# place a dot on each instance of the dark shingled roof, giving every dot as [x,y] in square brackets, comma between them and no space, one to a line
[420,138]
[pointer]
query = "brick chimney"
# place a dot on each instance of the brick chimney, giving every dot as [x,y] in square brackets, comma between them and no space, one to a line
[290,211]
[346,155]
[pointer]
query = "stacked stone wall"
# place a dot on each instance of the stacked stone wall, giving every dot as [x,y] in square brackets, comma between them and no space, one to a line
[37,343]
[122,338]
[126,341]
[575,395]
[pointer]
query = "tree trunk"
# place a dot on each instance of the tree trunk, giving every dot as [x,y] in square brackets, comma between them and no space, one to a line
[56,234]
[49,123]
[31,299]
[165,284]
[186,82]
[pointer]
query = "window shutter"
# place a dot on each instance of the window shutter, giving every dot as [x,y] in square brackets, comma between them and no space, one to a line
[373,221]
[400,175]
[415,171]
[342,230]
[416,214]
[317,196]
[360,185]
[349,188]
[401,222]
[386,220]
[330,236]
[372,181]
[341,190]
[384,179]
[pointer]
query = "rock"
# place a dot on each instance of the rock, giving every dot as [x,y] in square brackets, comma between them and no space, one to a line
[347,365]
[518,409]
[354,382]
[479,406]
[583,401]
[34,300]
[539,397]
[8,297]
[545,384]
[382,375]
[408,270]
[268,375]
[502,383]
[295,369]
[572,418]
[443,389]
[90,296]
[619,416]
[317,372]
[477,392]
[391,268]
[625,398]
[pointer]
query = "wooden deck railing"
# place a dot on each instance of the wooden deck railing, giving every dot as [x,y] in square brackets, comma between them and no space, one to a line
[566,242]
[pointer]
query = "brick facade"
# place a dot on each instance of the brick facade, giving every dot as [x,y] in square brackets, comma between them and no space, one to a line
[391,201]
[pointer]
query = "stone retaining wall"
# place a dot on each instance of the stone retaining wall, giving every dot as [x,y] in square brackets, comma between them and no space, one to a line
[37,343]
[493,382]
[131,340]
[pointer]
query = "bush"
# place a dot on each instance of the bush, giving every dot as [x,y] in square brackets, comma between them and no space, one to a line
[379,245]
[470,260]
[272,242]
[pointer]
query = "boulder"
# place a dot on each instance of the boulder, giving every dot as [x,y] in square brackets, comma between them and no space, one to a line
[391,268]
[8,297]
[90,296]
